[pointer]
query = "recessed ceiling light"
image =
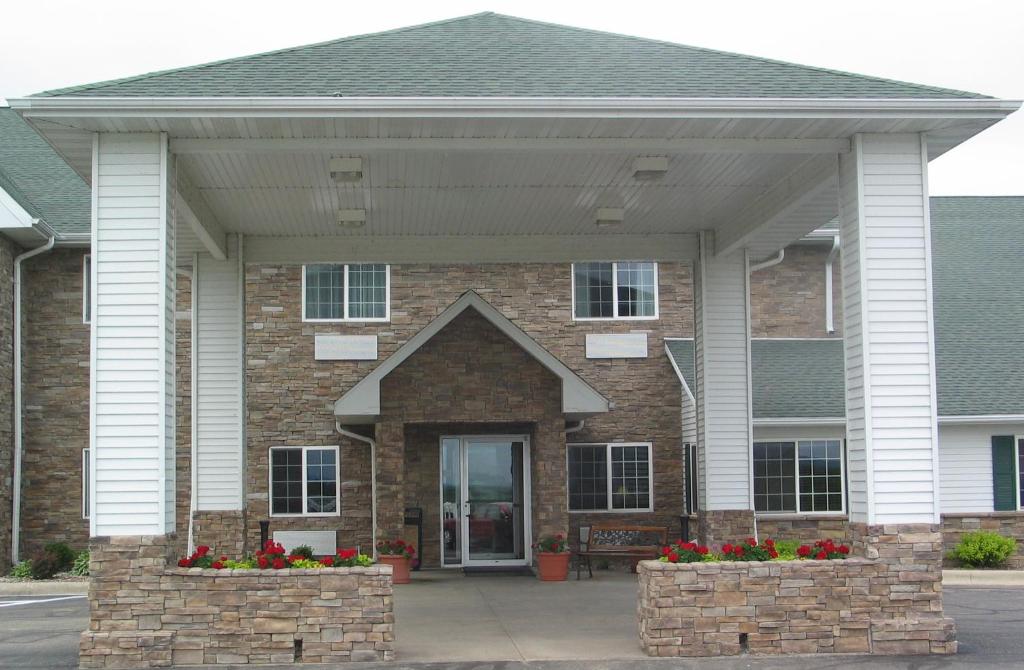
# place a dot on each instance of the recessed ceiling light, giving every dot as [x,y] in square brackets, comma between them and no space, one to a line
[650,168]
[609,216]
[351,218]
[347,170]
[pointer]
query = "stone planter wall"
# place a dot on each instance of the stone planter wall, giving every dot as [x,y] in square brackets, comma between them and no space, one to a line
[1010,524]
[888,604]
[146,614]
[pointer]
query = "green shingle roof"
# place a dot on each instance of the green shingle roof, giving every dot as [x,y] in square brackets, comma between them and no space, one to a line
[487,55]
[681,352]
[798,378]
[39,179]
[978,284]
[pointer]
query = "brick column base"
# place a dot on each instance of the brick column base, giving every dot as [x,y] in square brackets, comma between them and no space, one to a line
[717,527]
[223,531]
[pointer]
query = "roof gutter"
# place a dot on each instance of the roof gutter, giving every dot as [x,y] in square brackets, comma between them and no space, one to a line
[16,473]
[617,107]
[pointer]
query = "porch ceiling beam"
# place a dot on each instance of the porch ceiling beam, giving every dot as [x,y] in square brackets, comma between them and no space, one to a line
[783,199]
[199,217]
[555,145]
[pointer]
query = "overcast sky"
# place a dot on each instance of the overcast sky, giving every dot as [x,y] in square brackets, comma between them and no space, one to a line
[975,46]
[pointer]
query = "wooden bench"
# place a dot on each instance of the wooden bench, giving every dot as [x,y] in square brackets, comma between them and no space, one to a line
[615,540]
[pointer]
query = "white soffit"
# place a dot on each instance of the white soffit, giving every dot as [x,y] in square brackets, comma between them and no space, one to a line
[361,404]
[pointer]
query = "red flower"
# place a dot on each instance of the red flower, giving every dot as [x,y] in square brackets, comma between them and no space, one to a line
[294,557]
[726,548]
[346,554]
[185,563]
[752,542]
[738,550]
[821,555]
[400,543]
[770,543]
[411,550]
[217,565]
[843,549]
[278,563]
[803,550]
[673,557]
[202,550]
[262,562]
[702,551]
[665,551]
[223,558]
[327,561]
[773,553]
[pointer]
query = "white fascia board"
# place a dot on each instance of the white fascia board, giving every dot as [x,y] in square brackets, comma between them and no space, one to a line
[801,421]
[981,418]
[679,373]
[516,106]
[13,215]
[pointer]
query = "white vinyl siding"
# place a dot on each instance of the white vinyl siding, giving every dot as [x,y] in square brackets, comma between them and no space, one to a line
[305,481]
[723,379]
[618,291]
[132,346]
[218,383]
[891,409]
[346,292]
[965,466]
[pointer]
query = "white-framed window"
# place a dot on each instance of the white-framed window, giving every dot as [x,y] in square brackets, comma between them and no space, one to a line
[613,291]
[346,292]
[799,476]
[87,288]
[85,483]
[304,481]
[613,477]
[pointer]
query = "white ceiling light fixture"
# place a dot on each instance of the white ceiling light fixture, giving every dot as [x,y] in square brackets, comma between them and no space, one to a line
[650,168]
[351,218]
[609,216]
[346,170]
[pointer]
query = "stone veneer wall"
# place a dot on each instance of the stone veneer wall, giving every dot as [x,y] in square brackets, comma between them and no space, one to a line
[223,531]
[1009,524]
[290,395]
[716,527]
[146,614]
[888,601]
[8,250]
[183,409]
[805,528]
[55,378]
[788,299]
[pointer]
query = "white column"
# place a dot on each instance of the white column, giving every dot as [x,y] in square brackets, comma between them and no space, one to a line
[131,408]
[722,348]
[892,434]
[217,386]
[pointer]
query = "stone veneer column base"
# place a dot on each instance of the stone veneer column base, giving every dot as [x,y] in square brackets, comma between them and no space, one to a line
[717,527]
[144,614]
[223,531]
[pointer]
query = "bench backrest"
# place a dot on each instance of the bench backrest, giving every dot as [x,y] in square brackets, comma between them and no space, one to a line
[622,537]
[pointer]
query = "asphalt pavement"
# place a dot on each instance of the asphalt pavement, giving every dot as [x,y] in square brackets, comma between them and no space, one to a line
[41,633]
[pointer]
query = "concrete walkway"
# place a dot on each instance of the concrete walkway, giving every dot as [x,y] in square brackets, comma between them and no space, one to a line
[446,616]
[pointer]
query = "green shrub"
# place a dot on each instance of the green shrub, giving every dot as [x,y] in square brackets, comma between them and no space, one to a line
[247,563]
[786,549]
[22,570]
[983,549]
[303,550]
[46,564]
[65,555]
[80,568]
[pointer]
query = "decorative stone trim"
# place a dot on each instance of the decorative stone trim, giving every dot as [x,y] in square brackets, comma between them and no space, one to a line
[887,603]
[145,614]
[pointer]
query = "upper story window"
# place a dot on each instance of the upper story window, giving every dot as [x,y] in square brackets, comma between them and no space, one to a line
[87,289]
[804,476]
[350,292]
[627,290]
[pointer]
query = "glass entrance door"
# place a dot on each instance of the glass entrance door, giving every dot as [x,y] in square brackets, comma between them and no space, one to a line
[485,518]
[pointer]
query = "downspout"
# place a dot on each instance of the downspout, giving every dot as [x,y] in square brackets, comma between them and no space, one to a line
[193,471]
[830,324]
[770,262]
[575,428]
[16,475]
[373,480]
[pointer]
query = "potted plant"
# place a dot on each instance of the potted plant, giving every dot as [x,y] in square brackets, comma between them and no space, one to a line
[552,558]
[398,554]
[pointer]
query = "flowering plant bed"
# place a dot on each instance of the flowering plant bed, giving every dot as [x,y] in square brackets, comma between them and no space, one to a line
[272,557]
[750,550]
[552,544]
[823,550]
[683,552]
[395,548]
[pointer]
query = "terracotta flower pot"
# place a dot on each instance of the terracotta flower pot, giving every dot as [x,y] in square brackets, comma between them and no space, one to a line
[553,567]
[399,567]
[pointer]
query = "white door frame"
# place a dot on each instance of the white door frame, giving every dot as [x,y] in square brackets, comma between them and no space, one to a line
[464,441]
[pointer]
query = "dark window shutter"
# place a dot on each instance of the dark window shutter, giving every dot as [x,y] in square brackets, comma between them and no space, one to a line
[1004,473]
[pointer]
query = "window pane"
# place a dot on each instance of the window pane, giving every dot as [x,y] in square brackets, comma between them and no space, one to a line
[636,289]
[324,287]
[821,484]
[321,481]
[366,291]
[629,485]
[87,289]
[286,481]
[593,290]
[588,477]
[774,481]
[85,482]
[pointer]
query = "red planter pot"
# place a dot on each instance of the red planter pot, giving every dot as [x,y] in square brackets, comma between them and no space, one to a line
[553,567]
[399,568]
